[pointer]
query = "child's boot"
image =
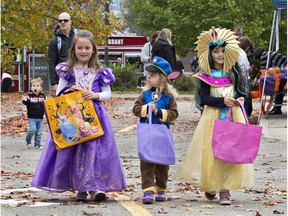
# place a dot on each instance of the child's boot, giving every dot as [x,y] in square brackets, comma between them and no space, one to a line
[160,196]
[148,197]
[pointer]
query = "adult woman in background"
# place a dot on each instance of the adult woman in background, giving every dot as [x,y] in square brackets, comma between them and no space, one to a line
[146,56]
[164,48]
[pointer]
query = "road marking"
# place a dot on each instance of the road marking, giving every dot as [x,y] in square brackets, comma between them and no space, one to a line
[9,140]
[15,203]
[127,129]
[134,208]
[30,189]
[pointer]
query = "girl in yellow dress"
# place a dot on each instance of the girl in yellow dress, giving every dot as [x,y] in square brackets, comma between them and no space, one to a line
[218,52]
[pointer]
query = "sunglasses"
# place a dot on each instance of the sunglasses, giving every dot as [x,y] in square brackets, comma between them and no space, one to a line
[63,20]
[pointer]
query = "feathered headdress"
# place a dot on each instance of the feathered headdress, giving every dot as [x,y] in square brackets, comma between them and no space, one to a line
[217,37]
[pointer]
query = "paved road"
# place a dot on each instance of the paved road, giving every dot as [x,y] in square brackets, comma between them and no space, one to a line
[268,196]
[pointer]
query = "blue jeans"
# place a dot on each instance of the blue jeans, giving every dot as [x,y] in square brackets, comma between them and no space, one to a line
[35,127]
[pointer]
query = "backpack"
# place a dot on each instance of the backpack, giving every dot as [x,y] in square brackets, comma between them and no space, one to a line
[59,41]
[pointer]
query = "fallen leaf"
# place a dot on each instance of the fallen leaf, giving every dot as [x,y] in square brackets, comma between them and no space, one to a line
[277,212]
[173,197]
[256,199]
[187,204]
[89,214]
[162,211]
[251,210]
[207,206]
[72,203]
[127,129]
[91,206]
[271,203]
[258,213]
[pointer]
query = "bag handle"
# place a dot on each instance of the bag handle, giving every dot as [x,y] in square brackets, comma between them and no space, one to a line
[241,103]
[150,113]
[63,90]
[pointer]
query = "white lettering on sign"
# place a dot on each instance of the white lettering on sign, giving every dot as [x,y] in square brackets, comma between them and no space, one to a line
[115,41]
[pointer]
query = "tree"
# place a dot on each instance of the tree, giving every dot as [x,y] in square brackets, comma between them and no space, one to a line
[187,19]
[30,24]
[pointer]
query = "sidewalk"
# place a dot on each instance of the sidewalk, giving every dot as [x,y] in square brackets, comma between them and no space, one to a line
[274,126]
[267,196]
[13,114]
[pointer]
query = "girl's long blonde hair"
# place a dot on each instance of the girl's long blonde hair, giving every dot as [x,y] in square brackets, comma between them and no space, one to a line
[93,61]
[165,87]
[166,35]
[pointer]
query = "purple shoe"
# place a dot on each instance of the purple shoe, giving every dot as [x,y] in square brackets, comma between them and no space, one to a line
[148,198]
[160,197]
[81,196]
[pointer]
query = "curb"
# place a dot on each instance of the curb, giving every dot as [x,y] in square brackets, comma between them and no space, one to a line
[7,117]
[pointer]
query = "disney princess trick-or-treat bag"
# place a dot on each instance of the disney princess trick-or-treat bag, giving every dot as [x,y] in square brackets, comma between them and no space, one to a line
[72,119]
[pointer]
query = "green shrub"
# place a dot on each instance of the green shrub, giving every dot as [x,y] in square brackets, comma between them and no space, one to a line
[126,77]
[184,83]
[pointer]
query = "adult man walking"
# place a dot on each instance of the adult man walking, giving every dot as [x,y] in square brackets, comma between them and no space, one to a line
[59,46]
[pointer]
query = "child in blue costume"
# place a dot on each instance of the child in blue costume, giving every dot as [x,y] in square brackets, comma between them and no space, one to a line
[93,166]
[155,176]
[218,52]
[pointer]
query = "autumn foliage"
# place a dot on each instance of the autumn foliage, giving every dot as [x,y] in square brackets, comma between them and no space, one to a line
[31,24]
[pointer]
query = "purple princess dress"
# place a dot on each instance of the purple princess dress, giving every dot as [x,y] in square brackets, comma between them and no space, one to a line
[92,165]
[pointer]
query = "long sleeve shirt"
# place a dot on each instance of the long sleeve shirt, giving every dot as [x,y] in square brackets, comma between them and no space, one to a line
[209,100]
[276,60]
[35,106]
[145,54]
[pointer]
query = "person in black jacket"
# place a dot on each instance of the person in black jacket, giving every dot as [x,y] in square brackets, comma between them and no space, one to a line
[179,64]
[6,81]
[276,59]
[35,110]
[59,46]
[164,48]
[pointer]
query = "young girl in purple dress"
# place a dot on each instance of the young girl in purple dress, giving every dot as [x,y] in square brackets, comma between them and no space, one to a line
[93,166]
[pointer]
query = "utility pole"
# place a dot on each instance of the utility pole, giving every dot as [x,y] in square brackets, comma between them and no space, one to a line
[107,6]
